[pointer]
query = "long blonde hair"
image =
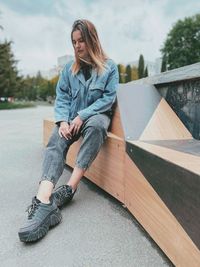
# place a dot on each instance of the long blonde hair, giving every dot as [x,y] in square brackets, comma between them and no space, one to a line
[91,39]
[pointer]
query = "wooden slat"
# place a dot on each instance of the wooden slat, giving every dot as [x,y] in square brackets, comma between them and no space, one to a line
[185,160]
[48,125]
[144,203]
[107,170]
[116,126]
[114,172]
[165,125]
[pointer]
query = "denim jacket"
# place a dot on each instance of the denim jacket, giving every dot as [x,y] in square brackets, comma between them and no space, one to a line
[75,96]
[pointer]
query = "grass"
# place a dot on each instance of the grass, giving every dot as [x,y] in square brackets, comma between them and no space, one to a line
[7,105]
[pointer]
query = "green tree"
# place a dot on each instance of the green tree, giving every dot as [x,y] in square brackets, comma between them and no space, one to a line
[52,87]
[46,88]
[134,75]
[164,65]
[146,74]
[10,81]
[141,67]
[122,73]
[53,82]
[119,66]
[28,89]
[128,74]
[38,88]
[182,45]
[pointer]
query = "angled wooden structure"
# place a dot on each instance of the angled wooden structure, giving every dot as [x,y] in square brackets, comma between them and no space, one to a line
[151,163]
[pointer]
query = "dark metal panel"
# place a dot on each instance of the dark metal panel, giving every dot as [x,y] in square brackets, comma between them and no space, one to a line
[178,188]
[184,99]
[137,104]
[190,146]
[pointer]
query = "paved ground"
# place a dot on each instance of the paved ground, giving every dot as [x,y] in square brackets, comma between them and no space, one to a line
[96,230]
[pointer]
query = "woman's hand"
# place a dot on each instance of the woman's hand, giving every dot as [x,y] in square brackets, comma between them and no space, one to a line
[64,130]
[75,125]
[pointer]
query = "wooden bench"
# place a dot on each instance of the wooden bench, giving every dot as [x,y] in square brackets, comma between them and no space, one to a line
[120,170]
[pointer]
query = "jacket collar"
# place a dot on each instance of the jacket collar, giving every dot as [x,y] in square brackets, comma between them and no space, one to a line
[81,77]
[94,74]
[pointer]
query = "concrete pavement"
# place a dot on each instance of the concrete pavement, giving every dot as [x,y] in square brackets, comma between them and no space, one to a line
[96,230]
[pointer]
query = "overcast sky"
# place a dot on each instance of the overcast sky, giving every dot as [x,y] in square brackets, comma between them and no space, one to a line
[40,29]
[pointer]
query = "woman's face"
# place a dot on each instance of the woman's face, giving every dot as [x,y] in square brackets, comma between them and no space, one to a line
[79,45]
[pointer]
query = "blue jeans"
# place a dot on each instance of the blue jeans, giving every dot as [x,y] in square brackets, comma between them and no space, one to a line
[93,131]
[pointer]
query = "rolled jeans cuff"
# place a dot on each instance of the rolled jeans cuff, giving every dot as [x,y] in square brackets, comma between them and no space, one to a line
[46,178]
[82,166]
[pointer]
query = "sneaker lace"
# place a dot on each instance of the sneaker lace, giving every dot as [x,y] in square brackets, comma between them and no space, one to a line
[31,209]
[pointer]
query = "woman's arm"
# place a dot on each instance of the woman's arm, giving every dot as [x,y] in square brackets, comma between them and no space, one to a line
[63,97]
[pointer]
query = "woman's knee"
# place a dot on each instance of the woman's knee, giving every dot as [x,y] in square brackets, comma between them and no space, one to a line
[56,141]
[54,136]
[95,134]
[99,122]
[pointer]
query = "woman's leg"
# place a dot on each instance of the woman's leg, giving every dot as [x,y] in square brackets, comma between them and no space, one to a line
[94,132]
[53,164]
[43,213]
[44,191]
[75,178]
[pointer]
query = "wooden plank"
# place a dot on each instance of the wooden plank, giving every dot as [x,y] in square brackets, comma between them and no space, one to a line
[189,146]
[185,160]
[165,125]
[114,172]
[48,125]
[144,203]
[176,186]
[107,170]
[116,126]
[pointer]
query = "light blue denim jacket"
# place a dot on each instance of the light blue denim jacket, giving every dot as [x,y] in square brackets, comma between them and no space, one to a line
[75,96]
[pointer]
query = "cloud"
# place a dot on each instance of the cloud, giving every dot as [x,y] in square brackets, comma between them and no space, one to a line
[41,29]
[38,40]
[24,7]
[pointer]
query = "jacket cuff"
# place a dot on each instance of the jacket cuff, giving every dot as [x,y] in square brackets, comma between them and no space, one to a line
[83,115]
[58,121]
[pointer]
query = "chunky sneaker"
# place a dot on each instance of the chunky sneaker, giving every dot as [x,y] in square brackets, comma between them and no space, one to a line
[40,218]
[63,195]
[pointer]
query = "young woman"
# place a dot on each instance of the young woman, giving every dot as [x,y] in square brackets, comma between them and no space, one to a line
[85,94]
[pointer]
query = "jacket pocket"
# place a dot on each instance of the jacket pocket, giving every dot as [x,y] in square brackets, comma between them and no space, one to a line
[75,93]
[94,93]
